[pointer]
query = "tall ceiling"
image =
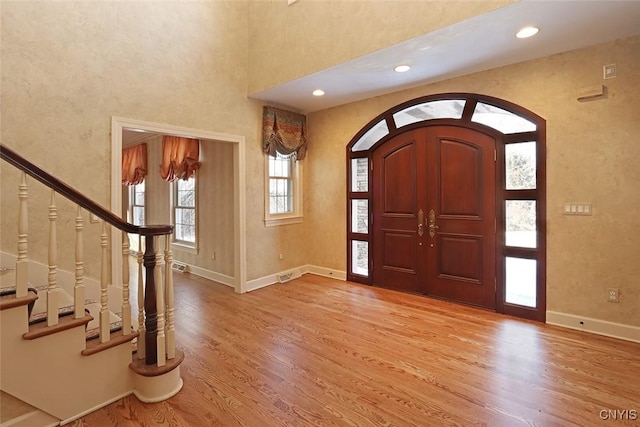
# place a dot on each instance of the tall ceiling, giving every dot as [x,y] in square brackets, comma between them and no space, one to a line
[480,43]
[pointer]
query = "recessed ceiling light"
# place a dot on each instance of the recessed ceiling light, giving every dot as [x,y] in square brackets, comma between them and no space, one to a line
[527,32]
[318,92]
[402,68]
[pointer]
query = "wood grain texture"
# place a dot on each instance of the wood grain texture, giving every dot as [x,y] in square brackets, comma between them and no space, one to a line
[321,352]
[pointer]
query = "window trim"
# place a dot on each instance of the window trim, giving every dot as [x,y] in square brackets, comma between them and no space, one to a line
[294,217]
[183,245]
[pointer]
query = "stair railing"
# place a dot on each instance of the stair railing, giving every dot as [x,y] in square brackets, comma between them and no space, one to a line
[156,324]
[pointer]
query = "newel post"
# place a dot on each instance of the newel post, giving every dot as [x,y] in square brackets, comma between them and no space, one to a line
[150,306]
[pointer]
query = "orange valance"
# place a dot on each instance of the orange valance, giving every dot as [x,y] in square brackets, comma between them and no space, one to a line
[180,157]
[134,164]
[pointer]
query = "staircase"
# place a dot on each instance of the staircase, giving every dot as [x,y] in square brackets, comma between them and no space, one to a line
[67,339]
[15,412]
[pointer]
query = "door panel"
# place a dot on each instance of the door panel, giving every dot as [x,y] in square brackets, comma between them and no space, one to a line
[399,180]
[461,191]
[434,214]
[459,169]
[398,258]
[399,251]
[460,258]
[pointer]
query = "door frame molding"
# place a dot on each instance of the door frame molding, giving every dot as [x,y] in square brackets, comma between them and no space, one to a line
[384,127]
[119,124]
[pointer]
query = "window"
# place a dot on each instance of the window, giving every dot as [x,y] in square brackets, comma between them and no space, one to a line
[136,203]
[283,190]
[184,211]
[136,214]
[439,109]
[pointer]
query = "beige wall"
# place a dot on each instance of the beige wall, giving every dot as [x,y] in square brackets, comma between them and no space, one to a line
[68,67]
[593,156]
[288,42]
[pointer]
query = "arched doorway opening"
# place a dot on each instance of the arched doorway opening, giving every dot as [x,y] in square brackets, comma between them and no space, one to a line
[446,197]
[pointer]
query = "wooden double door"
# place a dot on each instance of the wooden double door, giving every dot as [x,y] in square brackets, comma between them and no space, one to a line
[434,213]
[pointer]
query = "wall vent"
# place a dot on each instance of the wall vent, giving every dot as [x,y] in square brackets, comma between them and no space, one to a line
[290,275]
[180,267]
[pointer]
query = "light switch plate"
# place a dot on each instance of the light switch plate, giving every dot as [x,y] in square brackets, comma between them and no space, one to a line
[609,71]
[574,208]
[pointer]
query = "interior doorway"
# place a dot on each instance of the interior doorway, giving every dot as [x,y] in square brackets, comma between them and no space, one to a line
[447,197]
[120,125]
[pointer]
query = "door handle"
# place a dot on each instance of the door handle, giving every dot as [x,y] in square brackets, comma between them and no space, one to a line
[432,223]
[420,221]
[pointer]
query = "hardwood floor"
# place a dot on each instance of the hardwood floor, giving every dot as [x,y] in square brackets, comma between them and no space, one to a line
[321,352]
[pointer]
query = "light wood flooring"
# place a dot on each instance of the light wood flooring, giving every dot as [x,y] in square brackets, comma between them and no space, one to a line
[322,352]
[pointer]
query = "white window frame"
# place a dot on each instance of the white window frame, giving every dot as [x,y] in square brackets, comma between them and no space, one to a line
[133,204]
[136,242]
[184,245]
[295,216]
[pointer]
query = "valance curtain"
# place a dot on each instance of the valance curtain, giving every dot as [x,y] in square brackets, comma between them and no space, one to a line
[180,157]
[134,164]
[283,132]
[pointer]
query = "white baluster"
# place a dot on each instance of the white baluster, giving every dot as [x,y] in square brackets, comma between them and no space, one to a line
[52,291]
[160,339]
[22,263]
[171,327]
[78,288]
[126,306]
[141,328]
[104,278]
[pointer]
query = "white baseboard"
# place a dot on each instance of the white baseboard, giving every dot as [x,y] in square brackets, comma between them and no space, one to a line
[325,272]
[95,408]
[271,279]
[594,326]
[212,275]
[262,282]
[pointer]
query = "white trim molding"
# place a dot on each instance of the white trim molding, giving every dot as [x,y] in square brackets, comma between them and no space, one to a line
[272,279]
[325,272]
[594,326]
[212,275]
[118,124]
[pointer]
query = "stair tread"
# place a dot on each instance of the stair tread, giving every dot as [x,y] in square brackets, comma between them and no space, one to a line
[42,329]
[67,309]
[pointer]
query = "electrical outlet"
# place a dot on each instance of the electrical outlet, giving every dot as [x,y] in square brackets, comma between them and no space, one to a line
[213,257]
[613,295]
[281,256]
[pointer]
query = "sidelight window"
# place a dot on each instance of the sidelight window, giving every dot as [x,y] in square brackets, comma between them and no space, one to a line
[520,281]
[520,166]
